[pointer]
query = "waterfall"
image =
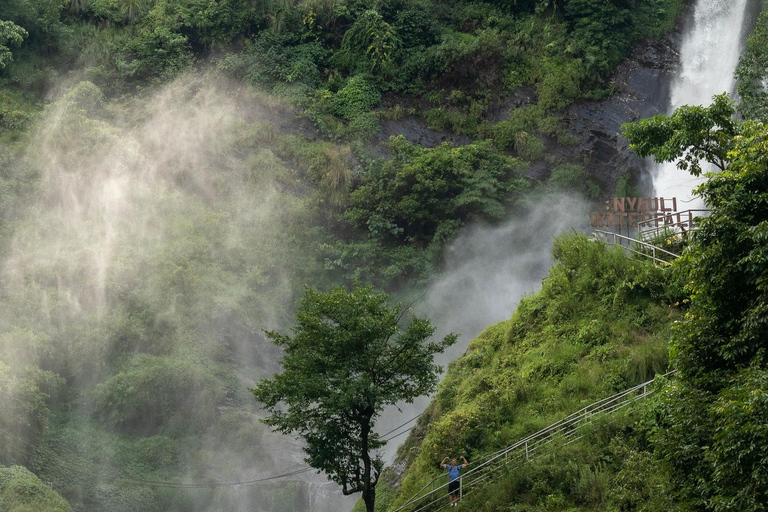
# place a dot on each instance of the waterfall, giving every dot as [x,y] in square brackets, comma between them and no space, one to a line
[709,55]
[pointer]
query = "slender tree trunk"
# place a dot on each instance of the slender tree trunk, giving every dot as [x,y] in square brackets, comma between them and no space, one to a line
[369,491]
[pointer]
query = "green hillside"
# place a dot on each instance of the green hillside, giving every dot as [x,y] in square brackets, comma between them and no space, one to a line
[336,58]
[601,324]
[174,173]
[21,491]
[604,322]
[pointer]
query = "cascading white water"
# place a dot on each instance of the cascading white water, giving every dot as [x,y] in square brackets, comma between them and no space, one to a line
[709,55]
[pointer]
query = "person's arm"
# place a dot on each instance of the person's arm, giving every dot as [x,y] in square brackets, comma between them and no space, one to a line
[442,464]
[465,461]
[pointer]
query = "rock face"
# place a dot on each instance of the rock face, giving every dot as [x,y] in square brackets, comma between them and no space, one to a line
[417,132]
[642,84]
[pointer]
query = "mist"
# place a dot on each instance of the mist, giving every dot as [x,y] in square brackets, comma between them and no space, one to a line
[162,241]
[165,236]
[488,269]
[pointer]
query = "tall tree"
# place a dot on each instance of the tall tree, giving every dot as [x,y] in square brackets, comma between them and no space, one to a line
[691,134]
[10,34]
[349,357]
[712,420]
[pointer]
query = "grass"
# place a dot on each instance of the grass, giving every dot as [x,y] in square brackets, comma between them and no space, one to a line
[597,327]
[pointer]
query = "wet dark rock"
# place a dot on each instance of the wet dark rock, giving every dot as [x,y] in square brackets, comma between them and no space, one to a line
[415,131]
[522,97]
[642,84]
[641,87]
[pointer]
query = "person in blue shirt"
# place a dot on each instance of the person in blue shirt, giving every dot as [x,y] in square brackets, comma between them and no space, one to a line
[454,472]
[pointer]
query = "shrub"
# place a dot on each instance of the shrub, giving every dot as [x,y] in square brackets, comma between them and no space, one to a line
[364,126]
[452,120]
[416,27]
[358,96]
[149,394]
[156,55]
[529,147]
[573,177]
[369,45]
[504,133]
[424,195]
[274,57]
[86,96]
[22,491]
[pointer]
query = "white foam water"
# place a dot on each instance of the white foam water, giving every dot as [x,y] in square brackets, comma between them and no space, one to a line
[709,55]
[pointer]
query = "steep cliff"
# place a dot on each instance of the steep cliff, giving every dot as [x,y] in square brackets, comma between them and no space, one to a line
[600,324]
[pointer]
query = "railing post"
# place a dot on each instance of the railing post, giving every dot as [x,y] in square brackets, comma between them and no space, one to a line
[526,449]
[461,486]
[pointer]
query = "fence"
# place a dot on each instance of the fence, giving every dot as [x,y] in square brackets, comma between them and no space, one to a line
[434,495]
[669,223]
[635,246]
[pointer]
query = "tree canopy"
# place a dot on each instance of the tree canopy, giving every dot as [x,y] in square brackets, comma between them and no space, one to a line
[348,358]
[10,34]
[711,420]
[689,135]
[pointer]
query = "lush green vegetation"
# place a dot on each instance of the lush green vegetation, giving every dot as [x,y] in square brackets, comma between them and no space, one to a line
[406,209]
[752,73]
[612,467]
[127,355]
[22,491]
[348,359]
[335,59]
[142,261]
[601,323]
[691,136]
[709,425]
[165,206]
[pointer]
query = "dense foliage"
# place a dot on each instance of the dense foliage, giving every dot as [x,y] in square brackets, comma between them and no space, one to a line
[752,72]
[141,261]
[457,58]
[600,324]
[404,210]
[690,136]
[347,360]
[710,423]
[153,222]
[699,445]
[136,283]
[21,491]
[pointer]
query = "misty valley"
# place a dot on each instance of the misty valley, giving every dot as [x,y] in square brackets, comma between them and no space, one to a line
[383,255]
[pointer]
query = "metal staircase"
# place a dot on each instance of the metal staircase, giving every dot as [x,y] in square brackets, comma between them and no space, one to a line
[664,225]
[636,246]
[434,495]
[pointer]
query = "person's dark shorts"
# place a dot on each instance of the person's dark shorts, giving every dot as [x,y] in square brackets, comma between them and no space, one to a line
[453,487]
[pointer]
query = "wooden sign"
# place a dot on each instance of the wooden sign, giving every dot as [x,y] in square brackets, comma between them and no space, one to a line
[628,211]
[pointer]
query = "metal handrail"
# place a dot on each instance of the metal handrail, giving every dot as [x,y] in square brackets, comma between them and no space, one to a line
[657,224]
[524,448]
[653,249]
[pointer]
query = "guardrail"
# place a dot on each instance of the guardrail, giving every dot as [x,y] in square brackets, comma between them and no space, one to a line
[684,222]
[653,252]
[435,497]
